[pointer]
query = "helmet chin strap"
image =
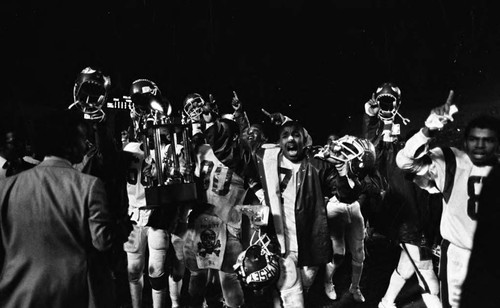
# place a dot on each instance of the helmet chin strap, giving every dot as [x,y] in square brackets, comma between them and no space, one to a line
[405,120]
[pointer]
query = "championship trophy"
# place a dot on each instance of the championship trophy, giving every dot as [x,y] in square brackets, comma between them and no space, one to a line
[171,182]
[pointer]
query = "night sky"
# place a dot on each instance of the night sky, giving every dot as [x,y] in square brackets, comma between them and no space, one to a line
[315,61]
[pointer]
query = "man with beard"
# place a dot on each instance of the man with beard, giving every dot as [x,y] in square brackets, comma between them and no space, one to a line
[297,187]
[458,175]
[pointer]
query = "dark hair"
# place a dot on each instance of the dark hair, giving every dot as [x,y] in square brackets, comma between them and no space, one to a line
[484,121]
[56,132]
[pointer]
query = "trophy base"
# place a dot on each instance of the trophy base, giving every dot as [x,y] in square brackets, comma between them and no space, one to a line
[170,196]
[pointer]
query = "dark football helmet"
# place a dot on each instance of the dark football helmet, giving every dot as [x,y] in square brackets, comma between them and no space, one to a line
[257,267]
[364,162]
[90,93]
[388,98]
[148,106]
[146,97]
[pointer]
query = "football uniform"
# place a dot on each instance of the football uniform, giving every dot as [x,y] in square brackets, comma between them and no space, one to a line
[451,172]
[403,216]
[223,187]
[214,235]
[142,235]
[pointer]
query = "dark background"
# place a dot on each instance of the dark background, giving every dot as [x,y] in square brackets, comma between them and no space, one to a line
[315,61]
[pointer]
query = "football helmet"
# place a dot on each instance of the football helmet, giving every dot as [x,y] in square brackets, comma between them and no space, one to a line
[90,93]
[388,98]
[146,97]
[358,153]
[257,267]
[193,106]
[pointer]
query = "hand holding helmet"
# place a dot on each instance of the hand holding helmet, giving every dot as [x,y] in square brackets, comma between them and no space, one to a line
[349,153]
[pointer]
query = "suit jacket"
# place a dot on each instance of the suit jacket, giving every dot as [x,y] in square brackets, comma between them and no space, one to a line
[52,219]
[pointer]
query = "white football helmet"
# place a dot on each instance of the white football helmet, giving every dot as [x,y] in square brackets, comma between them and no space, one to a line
[193,106]
[358,153]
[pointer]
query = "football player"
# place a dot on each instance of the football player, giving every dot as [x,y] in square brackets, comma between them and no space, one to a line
[214,239]
[150,230]
[345,220]
[296,185]
[402,201]
[458,176]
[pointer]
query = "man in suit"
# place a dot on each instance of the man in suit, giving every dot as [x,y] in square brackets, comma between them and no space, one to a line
[11,154]
[53,221]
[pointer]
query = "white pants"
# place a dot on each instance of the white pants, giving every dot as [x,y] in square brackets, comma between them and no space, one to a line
[456,260]
[294,280]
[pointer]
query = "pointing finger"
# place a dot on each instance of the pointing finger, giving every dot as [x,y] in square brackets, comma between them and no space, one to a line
[265,112]
[449,100]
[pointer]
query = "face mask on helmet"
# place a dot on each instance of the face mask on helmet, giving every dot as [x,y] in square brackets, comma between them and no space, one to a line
[388,97]
[193,106]
[90,93]
[257,267]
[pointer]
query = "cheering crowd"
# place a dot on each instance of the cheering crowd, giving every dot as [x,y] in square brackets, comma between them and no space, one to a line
[212,212]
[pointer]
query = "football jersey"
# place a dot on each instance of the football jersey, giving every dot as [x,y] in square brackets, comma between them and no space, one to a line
[451,172]
[205,243]
[460,186]
[288,181]
[223,187]
[135,179]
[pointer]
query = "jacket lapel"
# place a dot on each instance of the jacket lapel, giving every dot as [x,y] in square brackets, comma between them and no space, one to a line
[267,160]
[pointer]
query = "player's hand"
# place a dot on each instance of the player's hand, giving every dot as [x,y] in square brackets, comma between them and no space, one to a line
[277,118]
[327,153]
[236,103]
[372,107]
[149,167]
[442,115]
